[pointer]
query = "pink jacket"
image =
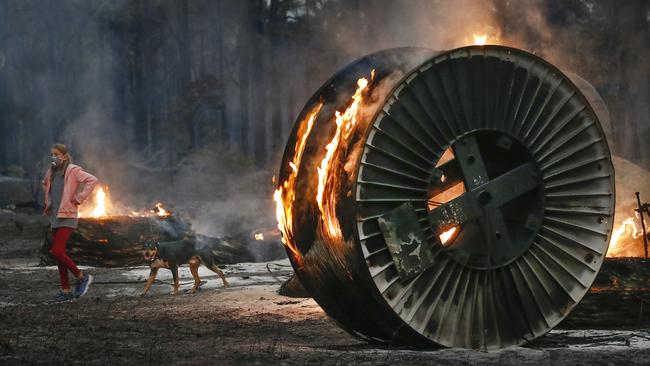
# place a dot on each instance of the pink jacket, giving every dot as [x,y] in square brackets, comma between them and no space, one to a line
[70,199]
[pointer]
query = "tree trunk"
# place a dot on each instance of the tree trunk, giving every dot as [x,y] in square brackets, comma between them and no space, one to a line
[244,45]
[278,88]
[4,105]
[139,106]
[186,66]
[259,69]
[224,126]
[118,241]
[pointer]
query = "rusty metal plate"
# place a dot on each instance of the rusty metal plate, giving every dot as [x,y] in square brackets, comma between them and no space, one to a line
[406,241]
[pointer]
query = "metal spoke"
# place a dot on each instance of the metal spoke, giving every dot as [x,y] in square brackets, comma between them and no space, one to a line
[491,195]
[470,162]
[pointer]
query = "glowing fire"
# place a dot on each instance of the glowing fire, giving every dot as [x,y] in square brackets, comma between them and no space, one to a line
[444,237]
[326,194]
[285,195]
[100,204]
[480,39]
[627,240]
[160,211]
[259,236]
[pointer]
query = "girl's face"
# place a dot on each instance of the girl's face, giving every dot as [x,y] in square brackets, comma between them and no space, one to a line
[57,157]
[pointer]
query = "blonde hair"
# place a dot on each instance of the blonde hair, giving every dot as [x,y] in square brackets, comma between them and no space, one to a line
[67,159]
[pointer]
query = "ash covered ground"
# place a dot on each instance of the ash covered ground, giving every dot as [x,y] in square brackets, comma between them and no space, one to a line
[248,323]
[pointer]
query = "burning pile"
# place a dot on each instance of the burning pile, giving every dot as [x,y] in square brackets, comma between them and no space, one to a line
[627,235]
[627,240]
[100,206]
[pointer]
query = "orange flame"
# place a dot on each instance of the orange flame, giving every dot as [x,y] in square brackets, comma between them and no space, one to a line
[444,237]
[285,195]
[160,211]
[480,39]
[326,194]
[100,204]
[626,241]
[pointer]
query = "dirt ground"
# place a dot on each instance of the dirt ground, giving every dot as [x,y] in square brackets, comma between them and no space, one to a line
[248,323]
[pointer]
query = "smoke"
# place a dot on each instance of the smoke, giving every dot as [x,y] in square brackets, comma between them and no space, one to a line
[227,193]
[605,43]
[216,184]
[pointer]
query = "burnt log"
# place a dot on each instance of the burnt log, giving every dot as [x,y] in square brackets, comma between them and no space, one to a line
[618,298]
[117,241]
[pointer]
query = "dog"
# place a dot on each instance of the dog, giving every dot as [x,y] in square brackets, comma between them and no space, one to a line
[172,254]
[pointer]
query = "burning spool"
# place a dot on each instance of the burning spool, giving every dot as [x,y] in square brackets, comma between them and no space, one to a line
[462,198]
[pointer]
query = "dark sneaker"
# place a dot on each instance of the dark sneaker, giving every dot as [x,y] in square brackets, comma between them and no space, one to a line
[63,296]
[82,285]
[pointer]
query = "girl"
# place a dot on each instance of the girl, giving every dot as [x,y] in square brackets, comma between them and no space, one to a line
[62,196]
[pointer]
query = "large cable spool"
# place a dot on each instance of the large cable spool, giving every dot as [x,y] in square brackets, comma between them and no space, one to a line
[473,199]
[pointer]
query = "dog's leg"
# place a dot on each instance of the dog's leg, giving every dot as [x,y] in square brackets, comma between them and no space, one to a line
[216,270]
[174,270]
[194,268]
[152,277]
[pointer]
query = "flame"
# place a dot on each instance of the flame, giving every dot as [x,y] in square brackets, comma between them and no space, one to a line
[444,237]
[624,241]
[259,236]
[100,204]
[160,211]
[326,194]
[480,39]
[285,195]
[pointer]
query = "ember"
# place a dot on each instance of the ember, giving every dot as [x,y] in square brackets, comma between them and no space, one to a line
[444,237]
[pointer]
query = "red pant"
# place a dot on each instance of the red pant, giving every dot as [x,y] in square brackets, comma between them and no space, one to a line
[59,240]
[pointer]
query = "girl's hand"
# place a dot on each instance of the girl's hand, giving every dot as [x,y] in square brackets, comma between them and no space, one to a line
[75,201]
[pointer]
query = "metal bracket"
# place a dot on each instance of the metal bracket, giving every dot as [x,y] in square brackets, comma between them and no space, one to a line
[406,241]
